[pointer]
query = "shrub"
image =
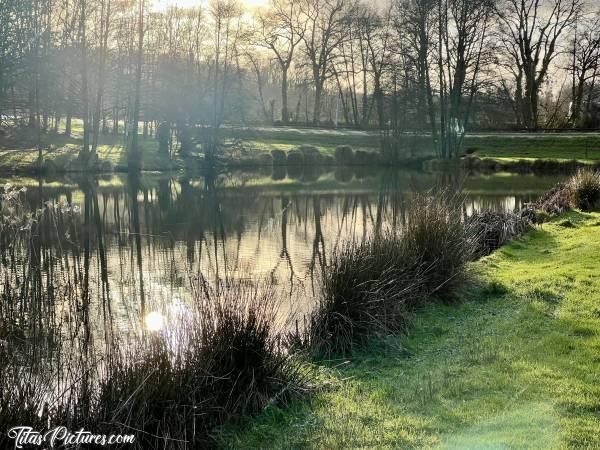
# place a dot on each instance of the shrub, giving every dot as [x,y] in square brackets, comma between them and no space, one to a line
[278,173]
[265,159]
[343,174]
[557,200]
[279,157]
[585,188]
[312,155]
[364,158]
[435,234]
[224,365]
[229,366]
[489,231]
[344,155]
[295,158]
[367,289]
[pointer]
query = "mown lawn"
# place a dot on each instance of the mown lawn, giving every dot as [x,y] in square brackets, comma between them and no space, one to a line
[501,146]
[267,139]
[515,365]
[62,151]
[583,147]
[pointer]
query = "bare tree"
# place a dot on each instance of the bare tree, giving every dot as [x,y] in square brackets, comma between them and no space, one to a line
[462,37]
[415,25]
[325,31]
[378,42]
[585,64]
[105,17]
[530,31]
[133,154]
[83,18]
[281,30]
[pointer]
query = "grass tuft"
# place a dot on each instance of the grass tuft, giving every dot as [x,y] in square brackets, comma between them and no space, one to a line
[222,361]
[372,288]
[491,230]
[585,188]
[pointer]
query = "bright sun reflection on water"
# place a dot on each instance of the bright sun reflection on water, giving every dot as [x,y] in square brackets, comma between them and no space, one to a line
[154,321]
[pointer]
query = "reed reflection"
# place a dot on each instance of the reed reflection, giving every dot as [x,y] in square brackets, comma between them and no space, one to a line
[136,241]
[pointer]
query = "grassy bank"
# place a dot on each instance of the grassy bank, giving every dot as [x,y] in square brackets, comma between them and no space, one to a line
[512,147]
[514,366]
[19,153]
[501,146]
[247,144]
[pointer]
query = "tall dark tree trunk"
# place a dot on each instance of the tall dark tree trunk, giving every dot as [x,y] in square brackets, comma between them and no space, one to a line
[379,101]
[285,114]
[115,128]
[317,106]
[133,154]
[104,31]
[84,85]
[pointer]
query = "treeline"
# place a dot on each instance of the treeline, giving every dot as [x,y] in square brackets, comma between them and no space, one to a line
[440,66]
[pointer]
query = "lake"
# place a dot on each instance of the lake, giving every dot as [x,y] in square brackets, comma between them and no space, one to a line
[135,244]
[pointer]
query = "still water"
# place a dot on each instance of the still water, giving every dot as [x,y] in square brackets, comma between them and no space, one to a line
[143,239]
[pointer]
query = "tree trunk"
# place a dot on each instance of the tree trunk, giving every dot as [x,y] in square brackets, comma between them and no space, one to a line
[100,94]
[84,86]
[285,115]
[133,154]
[379,100]
[115,129]
[317,106]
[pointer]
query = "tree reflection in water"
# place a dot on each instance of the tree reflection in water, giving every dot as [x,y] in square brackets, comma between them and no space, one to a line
[137,240]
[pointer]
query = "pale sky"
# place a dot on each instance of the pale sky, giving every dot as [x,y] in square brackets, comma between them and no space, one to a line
[159,5]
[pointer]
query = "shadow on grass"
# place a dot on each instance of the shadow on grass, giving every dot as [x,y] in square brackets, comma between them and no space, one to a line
[508,372]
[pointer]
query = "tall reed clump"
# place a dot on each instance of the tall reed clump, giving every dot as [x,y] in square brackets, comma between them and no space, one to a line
[585,189]
[367,289]
[557,200]
[229,364]
[435,236]
[372,288]
[490,230]
[171,389]
[581,191]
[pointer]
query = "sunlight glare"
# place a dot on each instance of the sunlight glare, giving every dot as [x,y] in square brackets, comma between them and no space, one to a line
[154,321]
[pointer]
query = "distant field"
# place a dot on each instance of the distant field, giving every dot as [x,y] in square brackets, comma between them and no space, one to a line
[62,150]
[503,146]
[581,146]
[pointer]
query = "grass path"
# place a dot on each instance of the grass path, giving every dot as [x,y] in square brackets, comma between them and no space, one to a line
[516,365]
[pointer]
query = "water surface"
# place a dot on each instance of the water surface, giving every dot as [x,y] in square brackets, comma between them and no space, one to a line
[143,239]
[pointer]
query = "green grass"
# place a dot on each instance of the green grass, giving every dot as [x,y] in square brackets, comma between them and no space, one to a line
[62,151]
[515,365]
[583,147]
[502,146]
